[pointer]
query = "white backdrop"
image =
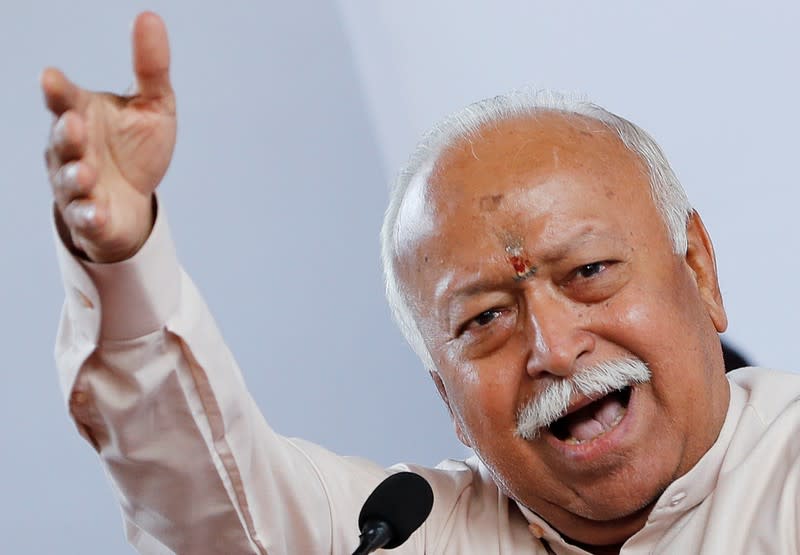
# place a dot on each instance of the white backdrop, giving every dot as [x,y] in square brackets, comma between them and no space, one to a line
[293,117]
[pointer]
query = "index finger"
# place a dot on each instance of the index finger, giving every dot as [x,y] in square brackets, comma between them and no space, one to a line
[60,94]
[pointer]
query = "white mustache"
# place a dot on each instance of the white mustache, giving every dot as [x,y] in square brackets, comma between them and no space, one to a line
[598,380]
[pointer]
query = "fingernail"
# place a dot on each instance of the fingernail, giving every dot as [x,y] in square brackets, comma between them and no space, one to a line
[59,131]
[70,175]
[86,213]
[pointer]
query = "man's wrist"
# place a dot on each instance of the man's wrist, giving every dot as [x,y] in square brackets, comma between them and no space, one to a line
[126,299]
[110,253]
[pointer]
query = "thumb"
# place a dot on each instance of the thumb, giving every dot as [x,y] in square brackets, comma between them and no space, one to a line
[151,56]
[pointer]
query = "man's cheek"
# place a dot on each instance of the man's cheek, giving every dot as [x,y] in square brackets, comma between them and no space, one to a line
[485,409]
[641,318]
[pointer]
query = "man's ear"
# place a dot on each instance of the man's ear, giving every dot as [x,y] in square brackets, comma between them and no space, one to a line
[701,260]
[437,379]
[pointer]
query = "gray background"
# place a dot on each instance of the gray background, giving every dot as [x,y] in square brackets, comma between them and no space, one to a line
[293,118]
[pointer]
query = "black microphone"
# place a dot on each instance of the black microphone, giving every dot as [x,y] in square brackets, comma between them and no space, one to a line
[397,507]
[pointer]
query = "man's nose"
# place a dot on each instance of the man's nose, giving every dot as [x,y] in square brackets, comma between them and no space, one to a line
[558,338]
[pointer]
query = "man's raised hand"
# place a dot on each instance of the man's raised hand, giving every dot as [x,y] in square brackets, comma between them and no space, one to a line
[107,153]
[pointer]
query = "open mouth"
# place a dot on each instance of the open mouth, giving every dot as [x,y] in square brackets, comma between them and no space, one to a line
[593,420]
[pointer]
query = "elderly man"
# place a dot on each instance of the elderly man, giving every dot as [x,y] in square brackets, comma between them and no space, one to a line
[545,264]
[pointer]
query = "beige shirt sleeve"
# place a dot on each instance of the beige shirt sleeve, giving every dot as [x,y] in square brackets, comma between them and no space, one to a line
[196,469]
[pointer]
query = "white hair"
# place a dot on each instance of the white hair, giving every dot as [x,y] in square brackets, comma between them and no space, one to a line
[666,191]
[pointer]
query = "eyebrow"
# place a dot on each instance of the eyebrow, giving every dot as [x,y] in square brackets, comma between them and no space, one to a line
[476,284]
[469,288]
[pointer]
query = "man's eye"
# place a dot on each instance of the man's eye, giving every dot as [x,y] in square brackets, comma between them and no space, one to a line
[483,319]
[486,317]
[589,270]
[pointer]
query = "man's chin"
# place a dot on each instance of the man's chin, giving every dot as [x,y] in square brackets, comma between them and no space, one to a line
[602,521]
[608,510]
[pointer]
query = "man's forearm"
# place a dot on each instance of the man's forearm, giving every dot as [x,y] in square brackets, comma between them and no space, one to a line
[160,397]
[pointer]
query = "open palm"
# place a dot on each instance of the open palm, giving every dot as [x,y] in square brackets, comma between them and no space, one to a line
[107,153]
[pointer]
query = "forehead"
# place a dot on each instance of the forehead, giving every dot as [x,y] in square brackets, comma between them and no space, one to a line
[499,170]
[523,152]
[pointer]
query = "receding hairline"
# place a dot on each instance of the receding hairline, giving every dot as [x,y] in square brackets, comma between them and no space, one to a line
[431,187]
[546,121]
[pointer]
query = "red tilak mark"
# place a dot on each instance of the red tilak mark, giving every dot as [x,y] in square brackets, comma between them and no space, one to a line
[520,264]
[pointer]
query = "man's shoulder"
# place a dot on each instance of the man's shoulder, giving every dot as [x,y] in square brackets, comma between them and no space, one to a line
[764,450]
[465,482]
[769,420]
[458,475]
[770,392]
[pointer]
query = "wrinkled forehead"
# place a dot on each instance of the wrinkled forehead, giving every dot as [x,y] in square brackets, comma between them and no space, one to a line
[502,154]
[501,162]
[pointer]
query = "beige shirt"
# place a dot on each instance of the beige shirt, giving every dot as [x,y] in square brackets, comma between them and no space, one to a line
[152,386]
